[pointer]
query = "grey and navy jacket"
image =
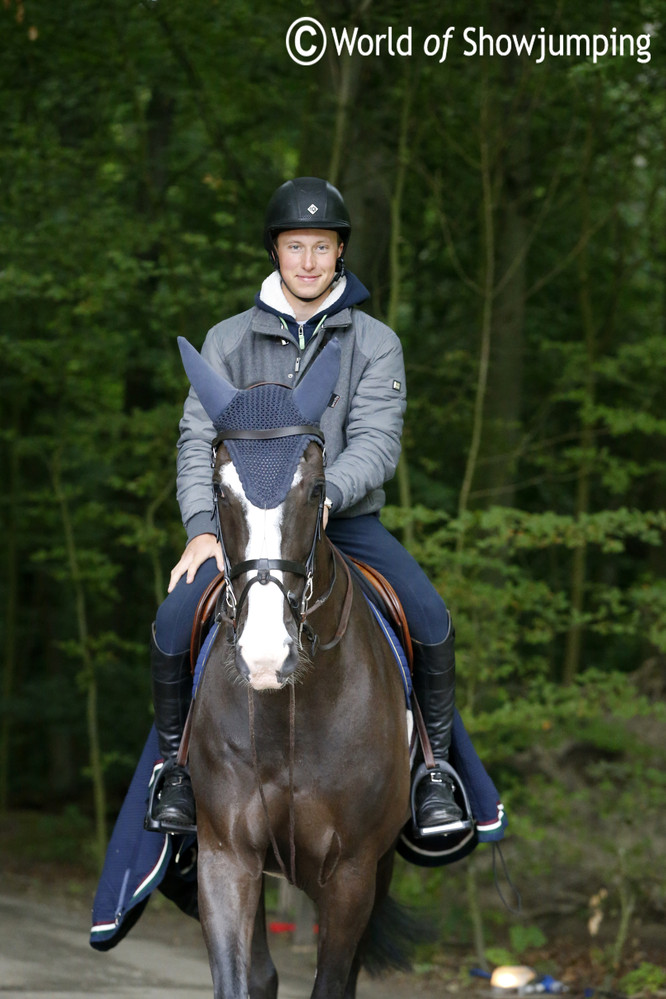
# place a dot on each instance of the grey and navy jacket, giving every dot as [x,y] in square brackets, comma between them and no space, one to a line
[363,423]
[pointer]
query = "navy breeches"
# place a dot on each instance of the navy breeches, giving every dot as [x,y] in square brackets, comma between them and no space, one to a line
[367,539]
[364,538]
[175,615]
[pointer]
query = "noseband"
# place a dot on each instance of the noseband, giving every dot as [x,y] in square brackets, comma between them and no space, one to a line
[263,566]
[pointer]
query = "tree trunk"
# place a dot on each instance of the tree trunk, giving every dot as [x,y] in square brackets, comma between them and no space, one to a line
[488,285]
[497,470]
[11,609]
[88,672]
[574,642]
[395,287]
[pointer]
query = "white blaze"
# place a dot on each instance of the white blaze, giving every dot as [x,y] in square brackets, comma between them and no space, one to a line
[264,643]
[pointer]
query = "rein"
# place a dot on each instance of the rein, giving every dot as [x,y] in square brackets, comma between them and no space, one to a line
[291,875]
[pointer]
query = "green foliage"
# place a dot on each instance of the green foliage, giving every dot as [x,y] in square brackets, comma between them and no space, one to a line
[511,614]
[500,956]
[48,839]
[646,979]
[522,939]
[525,937]
[140,143]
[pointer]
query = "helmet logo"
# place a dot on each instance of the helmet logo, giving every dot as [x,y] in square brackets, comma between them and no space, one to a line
[313,209]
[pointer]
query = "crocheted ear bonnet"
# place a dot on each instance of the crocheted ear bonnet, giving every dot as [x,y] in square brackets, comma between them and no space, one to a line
[266,467]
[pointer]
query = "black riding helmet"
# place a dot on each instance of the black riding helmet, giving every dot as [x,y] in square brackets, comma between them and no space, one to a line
[306,203]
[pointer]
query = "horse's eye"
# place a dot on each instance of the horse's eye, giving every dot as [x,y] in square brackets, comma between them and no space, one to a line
[220,495]
[317,491]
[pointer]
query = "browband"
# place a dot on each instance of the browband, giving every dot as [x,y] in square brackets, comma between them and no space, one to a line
[266,435]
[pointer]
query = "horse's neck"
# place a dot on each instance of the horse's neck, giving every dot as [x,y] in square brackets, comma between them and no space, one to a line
[325,569]
[332,594]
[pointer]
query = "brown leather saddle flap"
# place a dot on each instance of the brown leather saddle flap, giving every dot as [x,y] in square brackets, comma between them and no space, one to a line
[202,615]
[392,610]
[392,607]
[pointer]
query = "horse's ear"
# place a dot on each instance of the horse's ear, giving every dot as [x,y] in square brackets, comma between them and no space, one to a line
[313,392]
[214,391]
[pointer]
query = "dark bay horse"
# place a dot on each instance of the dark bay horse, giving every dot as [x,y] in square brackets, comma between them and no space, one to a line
[299,749]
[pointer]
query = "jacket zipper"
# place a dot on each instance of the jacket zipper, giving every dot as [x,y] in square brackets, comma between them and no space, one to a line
[301,339]
[301,333]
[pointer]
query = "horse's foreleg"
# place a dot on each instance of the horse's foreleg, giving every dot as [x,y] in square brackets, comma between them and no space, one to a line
[383,884]
[263,976]
[344,911]
[228,901]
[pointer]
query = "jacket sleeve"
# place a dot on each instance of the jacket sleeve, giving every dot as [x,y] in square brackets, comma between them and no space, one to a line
[194,480]
[374,423]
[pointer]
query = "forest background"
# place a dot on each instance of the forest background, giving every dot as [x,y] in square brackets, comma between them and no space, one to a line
[509,220]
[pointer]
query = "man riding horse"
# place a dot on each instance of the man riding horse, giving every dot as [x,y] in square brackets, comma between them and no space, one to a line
[309,298]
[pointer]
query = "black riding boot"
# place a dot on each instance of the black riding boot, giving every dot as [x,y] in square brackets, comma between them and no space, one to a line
[434,686]
[172,690]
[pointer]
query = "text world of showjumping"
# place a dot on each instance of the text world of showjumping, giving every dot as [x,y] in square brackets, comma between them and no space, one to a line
[479,42]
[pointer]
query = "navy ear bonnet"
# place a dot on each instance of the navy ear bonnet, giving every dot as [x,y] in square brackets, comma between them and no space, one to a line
[266,467]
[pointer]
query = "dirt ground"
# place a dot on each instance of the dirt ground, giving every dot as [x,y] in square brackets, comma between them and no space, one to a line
[44,953]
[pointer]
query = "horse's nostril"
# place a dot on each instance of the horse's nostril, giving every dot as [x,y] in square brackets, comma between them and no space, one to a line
[290,664]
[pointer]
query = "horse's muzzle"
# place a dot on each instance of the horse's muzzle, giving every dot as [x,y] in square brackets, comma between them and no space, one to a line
[268,672]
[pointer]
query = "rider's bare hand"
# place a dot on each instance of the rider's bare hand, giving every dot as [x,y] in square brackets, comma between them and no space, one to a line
[203,547]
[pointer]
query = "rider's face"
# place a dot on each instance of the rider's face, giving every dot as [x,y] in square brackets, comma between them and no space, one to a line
[307,259]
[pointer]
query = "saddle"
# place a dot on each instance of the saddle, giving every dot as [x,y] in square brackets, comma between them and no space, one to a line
[376,587]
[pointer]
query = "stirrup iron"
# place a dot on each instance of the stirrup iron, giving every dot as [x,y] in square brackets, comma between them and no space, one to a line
[465,824]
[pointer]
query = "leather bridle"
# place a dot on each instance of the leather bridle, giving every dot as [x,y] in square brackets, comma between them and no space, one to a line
[264,567]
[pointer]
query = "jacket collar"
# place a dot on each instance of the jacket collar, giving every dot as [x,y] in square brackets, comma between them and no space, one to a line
[270,323]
